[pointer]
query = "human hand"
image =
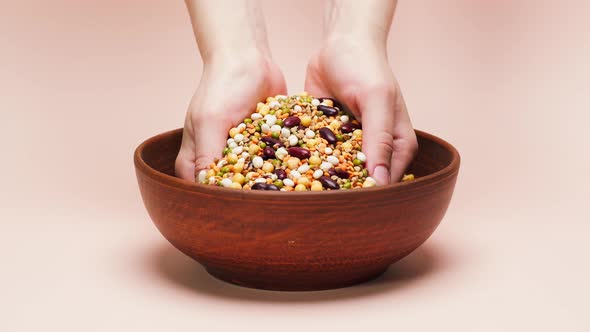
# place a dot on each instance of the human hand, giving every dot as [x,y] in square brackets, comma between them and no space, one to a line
[238,72]
[352,67]
[359,76]
[228,92]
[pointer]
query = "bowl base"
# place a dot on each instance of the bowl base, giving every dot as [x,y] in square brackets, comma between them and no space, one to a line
[290,284]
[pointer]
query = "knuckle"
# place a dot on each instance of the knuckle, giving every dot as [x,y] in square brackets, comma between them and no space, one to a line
[407,147]
[384,143]
[202,163]
[381,89]
[413,145]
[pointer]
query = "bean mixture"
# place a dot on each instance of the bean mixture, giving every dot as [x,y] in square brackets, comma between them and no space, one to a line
[293,143]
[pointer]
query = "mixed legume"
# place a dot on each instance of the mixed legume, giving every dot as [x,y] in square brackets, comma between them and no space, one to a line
[293,143]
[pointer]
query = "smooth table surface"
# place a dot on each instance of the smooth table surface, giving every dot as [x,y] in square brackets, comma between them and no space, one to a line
[83,83]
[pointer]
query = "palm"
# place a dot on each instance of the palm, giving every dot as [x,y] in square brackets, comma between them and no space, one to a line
[361,79]
[224,98]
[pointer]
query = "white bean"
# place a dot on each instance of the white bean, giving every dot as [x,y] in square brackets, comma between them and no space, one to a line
[285,132]
[239,138]
[361,156]
[202,176]
[265,128]
[237,150]
[281,153]
[288,183]
[295,175]
[303,168]
[257,162]
[369,182]
[293,140]
[325,166]
[333,160]
[318,174]
[270,119]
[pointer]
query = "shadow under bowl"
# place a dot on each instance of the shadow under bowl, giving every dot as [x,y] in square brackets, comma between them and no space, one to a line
[296,241]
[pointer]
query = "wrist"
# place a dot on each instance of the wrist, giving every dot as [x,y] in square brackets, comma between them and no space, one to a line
[339,43]
[228,28]
[365,22]
[234,54]
[350,34]
[232,64]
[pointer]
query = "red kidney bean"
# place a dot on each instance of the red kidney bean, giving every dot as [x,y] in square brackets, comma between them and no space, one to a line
[328,135]
[269,152]
[271,187]
[347,128]
[291,121]
[328,110]
[301,153]
[271,141]
[328,183]
[281,174]
[343,174]
[259,186]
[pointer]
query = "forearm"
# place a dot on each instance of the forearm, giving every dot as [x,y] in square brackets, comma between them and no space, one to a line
[367,20]
[226,27]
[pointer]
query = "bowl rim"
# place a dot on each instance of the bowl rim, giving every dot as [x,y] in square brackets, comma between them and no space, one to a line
[178,183]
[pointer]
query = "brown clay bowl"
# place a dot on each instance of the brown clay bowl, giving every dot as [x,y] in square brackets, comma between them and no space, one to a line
[296,241]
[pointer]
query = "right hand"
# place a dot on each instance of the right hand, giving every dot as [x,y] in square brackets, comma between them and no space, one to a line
[357,74]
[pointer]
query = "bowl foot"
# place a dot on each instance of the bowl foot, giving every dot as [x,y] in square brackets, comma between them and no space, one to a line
[293,282]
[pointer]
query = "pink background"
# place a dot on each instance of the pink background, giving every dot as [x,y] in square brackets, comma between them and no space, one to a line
[82,83]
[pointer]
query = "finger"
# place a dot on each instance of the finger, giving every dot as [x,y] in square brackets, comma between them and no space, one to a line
[405,144]
[314,85]
[210,139]
[184,166]
[279,85]
[378,125]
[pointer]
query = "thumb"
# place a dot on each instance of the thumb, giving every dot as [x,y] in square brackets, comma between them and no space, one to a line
[202,143]
[184,166]
[377,118]
[210,139]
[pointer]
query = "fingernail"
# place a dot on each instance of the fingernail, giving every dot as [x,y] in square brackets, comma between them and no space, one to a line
[381,175]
